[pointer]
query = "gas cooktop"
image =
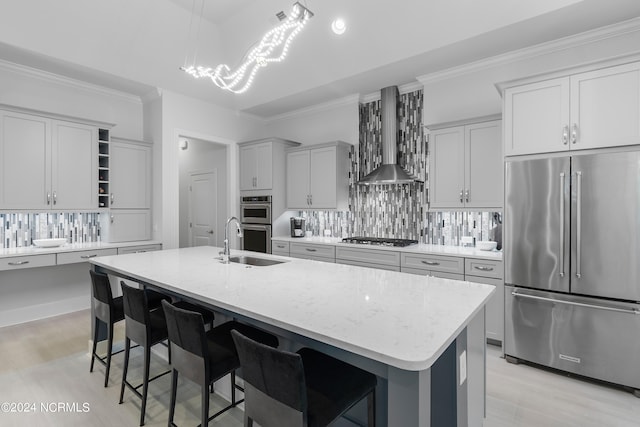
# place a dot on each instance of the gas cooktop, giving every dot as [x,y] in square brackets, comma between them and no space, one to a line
[380,241]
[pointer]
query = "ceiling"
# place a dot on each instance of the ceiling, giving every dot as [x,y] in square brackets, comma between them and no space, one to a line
[139,46]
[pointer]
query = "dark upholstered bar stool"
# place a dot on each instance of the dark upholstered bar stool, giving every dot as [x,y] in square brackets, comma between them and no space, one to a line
[146,327]
[109,310]
[204,357]
[306,389]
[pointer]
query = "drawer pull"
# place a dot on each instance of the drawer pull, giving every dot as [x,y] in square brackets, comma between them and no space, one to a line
[311,250]
[431,262]
[483,268]
[88,256]
[280,246]
[19,263]
[140,251]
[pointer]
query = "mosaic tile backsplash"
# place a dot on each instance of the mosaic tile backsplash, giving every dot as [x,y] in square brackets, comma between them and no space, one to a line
[398,211]
[20,229]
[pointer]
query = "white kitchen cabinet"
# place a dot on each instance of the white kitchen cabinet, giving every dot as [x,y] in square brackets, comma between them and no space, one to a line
[446,267]
[317,252]
[125,225]
[256,166]
[130,174]
[491,273]
[382,259]
[279,247]
[599,108]
[318,176]
[47,164]
[465,166]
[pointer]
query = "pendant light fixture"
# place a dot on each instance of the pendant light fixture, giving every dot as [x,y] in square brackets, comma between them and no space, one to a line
[273,47]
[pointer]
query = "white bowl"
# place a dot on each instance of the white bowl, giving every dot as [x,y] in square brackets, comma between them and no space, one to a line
[486,245]
[49,243]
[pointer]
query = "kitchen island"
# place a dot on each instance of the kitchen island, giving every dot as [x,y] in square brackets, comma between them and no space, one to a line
[422,336]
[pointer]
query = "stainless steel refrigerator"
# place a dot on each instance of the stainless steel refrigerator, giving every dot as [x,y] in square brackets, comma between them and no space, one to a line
[572,264]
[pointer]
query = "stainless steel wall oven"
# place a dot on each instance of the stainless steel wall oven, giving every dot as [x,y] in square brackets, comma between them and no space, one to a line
[255,216]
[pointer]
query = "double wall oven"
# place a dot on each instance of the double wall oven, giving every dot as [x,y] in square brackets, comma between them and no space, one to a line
[255,218]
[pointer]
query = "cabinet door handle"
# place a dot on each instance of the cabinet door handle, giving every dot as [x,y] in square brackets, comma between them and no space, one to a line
[111,219]
[112,198]
[19,262]
[461,193]
[311,250]
[466,195]
[55,198]
[483,268]
[48,198]
[310,199]
[88,256]
[430,262]
[565,135]
[574,133]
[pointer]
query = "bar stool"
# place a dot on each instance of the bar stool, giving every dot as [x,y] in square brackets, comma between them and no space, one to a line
[205,357]
[306,388]
[109,310]
[146,327]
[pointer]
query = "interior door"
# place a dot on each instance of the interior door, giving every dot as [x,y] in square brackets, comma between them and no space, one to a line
[536,224]
[203,205]
[606,225]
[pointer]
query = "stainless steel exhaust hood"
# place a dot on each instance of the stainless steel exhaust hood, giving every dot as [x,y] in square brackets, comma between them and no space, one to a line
[389,172]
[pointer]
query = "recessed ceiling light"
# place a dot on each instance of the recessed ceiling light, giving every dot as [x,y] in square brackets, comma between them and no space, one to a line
[338,26]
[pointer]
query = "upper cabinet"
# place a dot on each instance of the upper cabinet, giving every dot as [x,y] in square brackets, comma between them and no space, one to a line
[318,176]
[130,174]
[465,166]
[593,109]
[256,167]
[47,164]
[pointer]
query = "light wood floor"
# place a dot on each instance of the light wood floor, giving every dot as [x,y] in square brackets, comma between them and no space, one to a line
[47,362]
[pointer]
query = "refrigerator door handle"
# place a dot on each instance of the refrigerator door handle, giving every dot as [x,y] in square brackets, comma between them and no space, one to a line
[562,176]
[634,311]
[578,221]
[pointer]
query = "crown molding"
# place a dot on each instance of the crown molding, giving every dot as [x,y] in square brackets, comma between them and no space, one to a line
[66,81]
[402,89]
[573,41]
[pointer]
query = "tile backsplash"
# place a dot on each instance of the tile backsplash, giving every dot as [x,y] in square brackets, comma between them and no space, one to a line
[398,211]
[20,229]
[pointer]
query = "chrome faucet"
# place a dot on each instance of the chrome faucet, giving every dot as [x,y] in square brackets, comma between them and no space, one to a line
[226,253]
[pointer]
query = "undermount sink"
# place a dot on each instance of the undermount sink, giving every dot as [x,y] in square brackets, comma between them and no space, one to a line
[250,260]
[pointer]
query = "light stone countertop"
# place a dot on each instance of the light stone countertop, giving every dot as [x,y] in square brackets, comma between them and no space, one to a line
[419,248]
[399,319]
[71,247]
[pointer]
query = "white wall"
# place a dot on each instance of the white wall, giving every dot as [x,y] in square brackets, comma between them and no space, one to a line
[28,88]
[202,156]
[331,122]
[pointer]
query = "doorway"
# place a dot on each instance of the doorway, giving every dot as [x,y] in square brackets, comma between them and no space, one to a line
[203,192]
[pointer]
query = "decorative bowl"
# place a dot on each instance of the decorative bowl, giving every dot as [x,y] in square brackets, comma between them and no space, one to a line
[486,245]
[49,243]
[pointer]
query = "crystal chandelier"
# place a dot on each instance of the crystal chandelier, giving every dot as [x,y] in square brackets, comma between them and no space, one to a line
[273,47]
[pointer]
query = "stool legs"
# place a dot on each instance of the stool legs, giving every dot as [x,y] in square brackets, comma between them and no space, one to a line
[145,382]
[205,405]
[127,346]
[107,360]
[174,390]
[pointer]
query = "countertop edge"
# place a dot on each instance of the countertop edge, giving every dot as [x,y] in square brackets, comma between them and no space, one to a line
[71,247]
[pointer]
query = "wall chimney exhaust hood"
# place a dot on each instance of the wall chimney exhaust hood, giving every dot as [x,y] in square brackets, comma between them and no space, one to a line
[389,172]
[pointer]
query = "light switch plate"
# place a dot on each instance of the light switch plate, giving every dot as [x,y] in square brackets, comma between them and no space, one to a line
[463,367]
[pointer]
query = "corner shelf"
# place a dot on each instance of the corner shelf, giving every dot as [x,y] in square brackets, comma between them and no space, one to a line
[103,168]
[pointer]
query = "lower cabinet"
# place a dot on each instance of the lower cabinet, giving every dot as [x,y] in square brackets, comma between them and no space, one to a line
[490,273]
[382,259]
[27,261]
[83,256]
[126,225]
[280,248]
[312,251]
[445,267]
